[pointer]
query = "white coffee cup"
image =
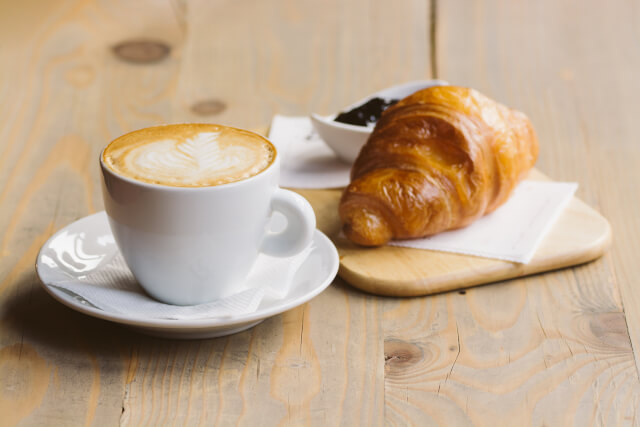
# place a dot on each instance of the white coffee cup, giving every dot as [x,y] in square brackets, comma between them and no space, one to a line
[191,245]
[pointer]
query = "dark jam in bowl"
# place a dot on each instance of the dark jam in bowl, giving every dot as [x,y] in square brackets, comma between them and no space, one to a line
[369,112]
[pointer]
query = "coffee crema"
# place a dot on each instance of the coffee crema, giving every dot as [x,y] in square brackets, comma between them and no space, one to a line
[189,155]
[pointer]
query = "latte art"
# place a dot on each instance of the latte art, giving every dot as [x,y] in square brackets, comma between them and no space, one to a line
[195,160]
[189,155]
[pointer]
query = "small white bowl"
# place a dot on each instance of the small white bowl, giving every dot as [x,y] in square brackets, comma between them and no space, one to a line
[346,140]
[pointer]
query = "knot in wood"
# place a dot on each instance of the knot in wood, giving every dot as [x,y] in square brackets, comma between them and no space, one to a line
[610,328]
[141,51]
[400,355]
[209,107]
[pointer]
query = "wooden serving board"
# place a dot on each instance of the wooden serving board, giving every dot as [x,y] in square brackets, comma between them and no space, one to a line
[581,234]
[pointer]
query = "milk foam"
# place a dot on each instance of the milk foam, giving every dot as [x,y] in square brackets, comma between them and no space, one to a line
[189,155]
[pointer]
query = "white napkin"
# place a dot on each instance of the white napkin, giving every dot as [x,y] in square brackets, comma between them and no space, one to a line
[113,288]
[307,162]
[512,232]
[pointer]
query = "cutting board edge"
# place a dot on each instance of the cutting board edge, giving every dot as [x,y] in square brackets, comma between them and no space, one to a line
[497,273]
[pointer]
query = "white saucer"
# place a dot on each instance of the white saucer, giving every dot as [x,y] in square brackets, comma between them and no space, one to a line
[314,275]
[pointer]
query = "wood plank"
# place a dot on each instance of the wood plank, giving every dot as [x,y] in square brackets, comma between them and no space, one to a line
[551,349]
[57,367]
[525,352]
[575,80]
[232,62]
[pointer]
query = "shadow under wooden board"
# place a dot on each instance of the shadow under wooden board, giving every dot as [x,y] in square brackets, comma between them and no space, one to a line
[580,235]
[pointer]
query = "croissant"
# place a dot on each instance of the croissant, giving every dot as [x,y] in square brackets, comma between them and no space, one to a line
[437,160]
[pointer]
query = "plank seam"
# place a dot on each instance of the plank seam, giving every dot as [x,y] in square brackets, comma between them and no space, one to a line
[614,278]
[433,57]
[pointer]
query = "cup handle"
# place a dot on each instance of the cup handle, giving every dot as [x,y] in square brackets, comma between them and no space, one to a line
[301,223]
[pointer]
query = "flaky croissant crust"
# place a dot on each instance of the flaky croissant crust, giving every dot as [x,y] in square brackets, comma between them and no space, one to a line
[437,160]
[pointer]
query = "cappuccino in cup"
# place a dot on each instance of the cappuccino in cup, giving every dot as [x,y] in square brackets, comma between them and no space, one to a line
[189,155]
[189,206]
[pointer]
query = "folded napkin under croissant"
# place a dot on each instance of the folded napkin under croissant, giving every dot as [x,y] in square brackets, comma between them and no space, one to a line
[512,232]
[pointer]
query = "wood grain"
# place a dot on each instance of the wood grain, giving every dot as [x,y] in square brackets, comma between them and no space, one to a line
[549,349]
[512,357]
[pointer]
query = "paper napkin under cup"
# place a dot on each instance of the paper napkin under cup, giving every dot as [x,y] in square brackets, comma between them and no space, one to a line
[113,289]
[306,161]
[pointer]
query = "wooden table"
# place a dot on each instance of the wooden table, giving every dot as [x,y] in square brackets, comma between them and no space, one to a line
[553,349]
